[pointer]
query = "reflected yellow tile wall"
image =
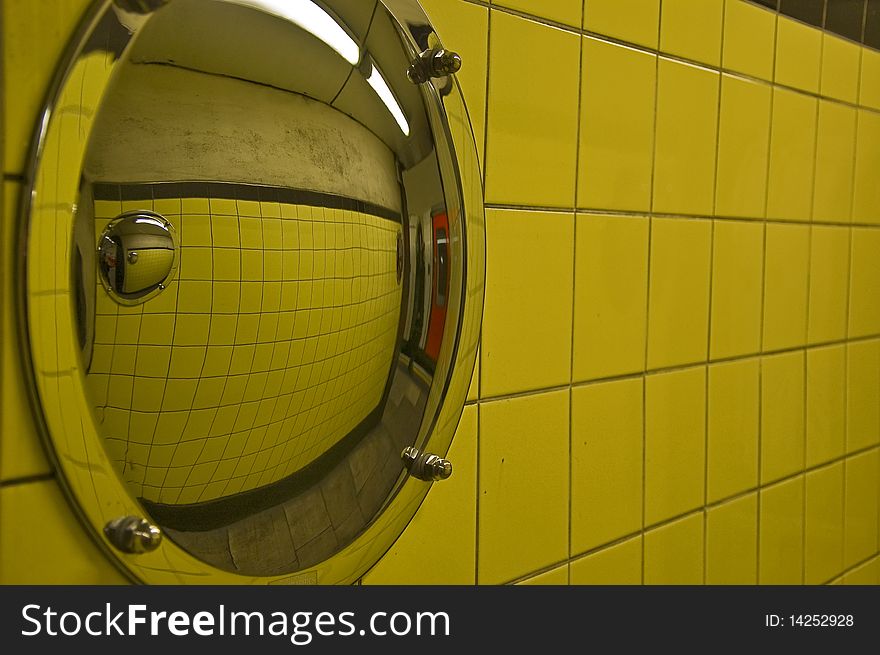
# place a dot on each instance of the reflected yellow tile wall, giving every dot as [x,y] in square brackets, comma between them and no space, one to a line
[621,129]
[731,542]
[282,341]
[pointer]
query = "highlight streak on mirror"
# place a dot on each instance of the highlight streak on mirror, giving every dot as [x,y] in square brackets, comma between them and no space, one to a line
[380,86]
[314,20]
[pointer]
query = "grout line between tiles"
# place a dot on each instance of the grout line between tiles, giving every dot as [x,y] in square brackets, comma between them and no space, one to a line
[850,569]
[806,366]
[767,169]
[676,368]
[741,494]
[648,292]
[690,514]
[847,301]
[706,395]
[682,216]
[574,291]
[656,51]
[28,479]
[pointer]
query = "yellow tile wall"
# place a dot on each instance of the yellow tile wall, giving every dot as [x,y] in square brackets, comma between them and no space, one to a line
[613,178]
[281,344]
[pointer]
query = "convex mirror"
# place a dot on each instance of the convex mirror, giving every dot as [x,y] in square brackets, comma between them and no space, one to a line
[253,281]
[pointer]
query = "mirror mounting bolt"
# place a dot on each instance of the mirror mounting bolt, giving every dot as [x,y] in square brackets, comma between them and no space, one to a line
[133,534]
[434,62]
[425,466]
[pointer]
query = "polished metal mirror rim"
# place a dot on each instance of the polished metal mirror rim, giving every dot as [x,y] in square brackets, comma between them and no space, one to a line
[170,563]
[172,272]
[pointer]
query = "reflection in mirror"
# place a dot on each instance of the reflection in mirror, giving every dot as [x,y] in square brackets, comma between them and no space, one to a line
[269,263]
[136,256]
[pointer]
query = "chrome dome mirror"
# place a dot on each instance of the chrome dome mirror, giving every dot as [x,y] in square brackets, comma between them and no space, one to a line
[253,281]
[137,255]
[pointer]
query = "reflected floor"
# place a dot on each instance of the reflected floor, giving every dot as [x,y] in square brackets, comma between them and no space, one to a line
[303,529]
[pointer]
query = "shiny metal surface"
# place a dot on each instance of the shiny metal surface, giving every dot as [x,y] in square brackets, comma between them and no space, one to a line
[434,62]
[137,256]
[267,281]
[133,535]
[426,466]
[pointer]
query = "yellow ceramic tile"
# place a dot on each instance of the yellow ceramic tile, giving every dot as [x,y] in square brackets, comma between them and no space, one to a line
[438,545]
[732,542]
[223,206]
[674,553]
[160,327]
[192,206]
[197,231]
[749,39]
[781,550]
[606,463]
[107,209]
[675,443]
[532,114]
[792,156]
[692,29]
[823,539]
[743,148]
[829,281]
[869,88]
[224,232]
[826,404]
[153,361]
[862,493]
[840,68]
[186,362]
[610,295]
[737,279]
[732,457]
[196,264]
[37,525]
[782,415]
[786,267]
[147,395]
[864,310]
[798,54]
[678,315]
[687,122]
[636,21]
[867,574]
[191,329]
[34,36]
[617,127]
[195,296]
[251,265]
[835,156]
[179,394]
[561,11]
[523,517]
[862,391]
[537,353]
[553,577]
[866,191]
[620,564]
[465,28]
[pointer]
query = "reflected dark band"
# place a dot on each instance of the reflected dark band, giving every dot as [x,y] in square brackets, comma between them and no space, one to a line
[221,512]
[237,191]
